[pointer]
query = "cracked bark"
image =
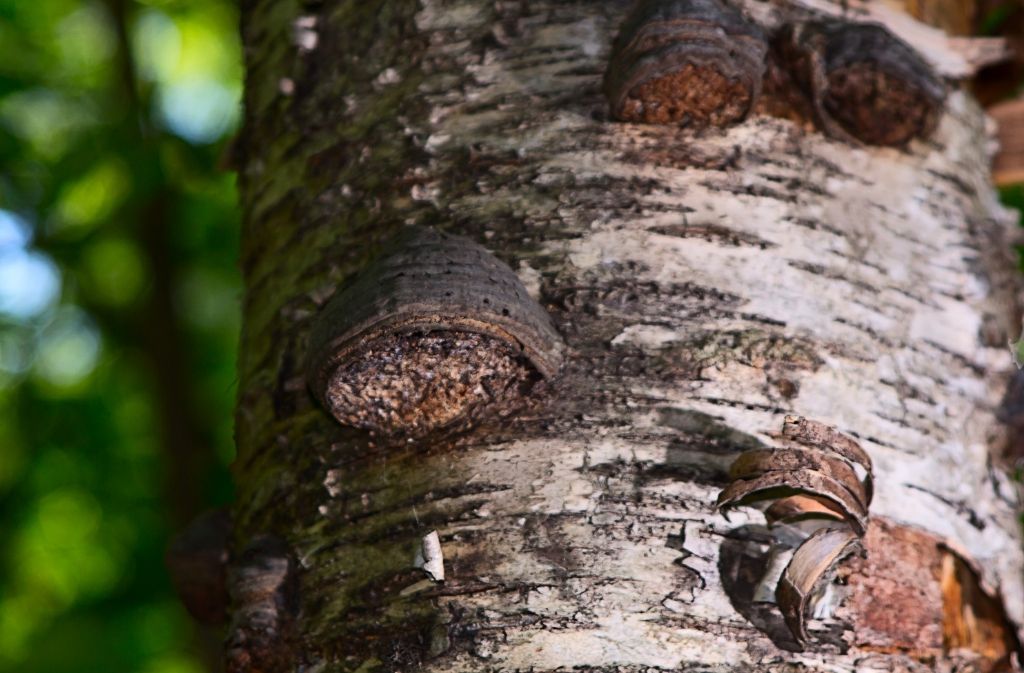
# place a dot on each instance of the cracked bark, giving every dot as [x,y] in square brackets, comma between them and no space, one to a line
[706,286]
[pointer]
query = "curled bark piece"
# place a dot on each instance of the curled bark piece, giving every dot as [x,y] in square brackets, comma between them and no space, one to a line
[692,62]
[197,561]
[865,84]
[780,484]
[821,484]
[435,331]
[798,507]
[811,567]
[818,435]
[752,464]
[264,599]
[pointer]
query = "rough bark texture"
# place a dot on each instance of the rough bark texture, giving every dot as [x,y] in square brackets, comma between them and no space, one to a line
[706,285]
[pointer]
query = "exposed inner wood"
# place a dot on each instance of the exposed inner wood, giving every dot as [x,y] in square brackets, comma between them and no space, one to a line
[911,593]
[798,507]
[973,619]
[1008,166]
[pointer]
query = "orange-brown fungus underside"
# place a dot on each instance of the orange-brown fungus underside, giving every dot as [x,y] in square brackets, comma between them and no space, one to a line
[694,95]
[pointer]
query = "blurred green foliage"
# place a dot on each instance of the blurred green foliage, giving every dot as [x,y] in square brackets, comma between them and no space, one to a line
[119,314]
[993,20]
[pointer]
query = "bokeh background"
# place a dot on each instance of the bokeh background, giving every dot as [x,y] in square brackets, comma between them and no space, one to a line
[119,316]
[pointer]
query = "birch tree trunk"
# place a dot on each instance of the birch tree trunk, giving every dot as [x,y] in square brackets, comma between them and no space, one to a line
[706,285]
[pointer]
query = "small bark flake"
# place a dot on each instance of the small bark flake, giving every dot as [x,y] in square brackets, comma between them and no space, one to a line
[430,557]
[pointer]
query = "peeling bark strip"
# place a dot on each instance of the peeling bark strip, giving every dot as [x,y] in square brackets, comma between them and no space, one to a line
[865,83]
[809,571]
[429,335]
[773,485]
[430,557]
[264,603]
[693,62]
[827,438]
[753,464]
[828,483]
[706,285]
[819,481]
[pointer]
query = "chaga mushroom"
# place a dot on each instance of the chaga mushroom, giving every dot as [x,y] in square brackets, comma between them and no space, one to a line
[865,84]
[695,63]
[436,333]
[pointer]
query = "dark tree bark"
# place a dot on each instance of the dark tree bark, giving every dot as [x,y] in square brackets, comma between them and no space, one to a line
[705,284]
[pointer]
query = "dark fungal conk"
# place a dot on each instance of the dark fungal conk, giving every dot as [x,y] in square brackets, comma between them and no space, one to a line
[700,63]
[696,63]
[865,84]
[437,332]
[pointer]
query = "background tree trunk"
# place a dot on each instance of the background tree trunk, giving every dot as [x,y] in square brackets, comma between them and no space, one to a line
[706,286]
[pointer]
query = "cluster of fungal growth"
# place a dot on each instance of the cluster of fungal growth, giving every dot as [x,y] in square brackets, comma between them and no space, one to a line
[816,487]
[435,334]
[696,63]
[701,63]
[864,83]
